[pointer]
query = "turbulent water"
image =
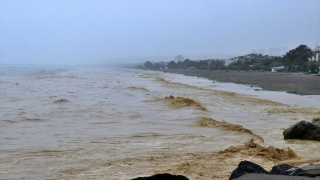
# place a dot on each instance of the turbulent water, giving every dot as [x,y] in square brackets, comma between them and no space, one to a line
[99,123]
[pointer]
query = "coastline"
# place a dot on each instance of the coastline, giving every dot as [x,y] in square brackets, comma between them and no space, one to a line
[296,83]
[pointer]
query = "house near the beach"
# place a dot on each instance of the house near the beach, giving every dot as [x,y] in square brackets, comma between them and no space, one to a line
[276,69]
[316,53]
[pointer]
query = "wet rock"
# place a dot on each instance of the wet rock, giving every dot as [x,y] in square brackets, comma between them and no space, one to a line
[303,130]
[165,176]
[247,167]
[281,169]
[316,121]
[310,170]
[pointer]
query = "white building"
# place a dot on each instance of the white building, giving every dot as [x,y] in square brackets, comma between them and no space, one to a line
[316,53]
[276,69]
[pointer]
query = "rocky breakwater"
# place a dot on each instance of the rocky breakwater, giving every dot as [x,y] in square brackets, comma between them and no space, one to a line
[247,168]
[250,170]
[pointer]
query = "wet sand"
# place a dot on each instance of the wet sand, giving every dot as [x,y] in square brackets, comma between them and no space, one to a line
[291,82]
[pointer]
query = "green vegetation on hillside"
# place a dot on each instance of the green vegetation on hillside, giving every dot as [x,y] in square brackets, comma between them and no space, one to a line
[297,59]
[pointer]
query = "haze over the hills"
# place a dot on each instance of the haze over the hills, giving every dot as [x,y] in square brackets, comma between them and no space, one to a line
[81,32]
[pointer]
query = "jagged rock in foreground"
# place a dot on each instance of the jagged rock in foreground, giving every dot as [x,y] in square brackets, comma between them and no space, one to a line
[247,167]
[281,169]
[165,176]
[303,130]
[311,170]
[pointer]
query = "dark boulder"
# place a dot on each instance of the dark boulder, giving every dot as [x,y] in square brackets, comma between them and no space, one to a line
[247,167]
[310,170]
[303,130]
[165,176]
[281,169]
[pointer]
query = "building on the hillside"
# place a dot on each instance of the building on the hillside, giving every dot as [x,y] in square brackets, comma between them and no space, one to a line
[252,56]
[262,57]
[231,60]
[179,58]
[241,58]
[316,53]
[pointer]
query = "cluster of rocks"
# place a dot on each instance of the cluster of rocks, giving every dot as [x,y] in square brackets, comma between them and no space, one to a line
[244,167]
[165,176]
[304,130]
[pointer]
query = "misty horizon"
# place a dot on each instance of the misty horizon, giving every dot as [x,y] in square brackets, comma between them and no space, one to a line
[106,32]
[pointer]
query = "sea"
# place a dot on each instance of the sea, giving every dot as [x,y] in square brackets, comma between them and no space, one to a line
[87,122]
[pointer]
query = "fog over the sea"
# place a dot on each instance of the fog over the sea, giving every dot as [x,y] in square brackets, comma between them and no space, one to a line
[111,31]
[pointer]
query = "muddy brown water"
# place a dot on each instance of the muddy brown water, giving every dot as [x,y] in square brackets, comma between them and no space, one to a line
[94,123]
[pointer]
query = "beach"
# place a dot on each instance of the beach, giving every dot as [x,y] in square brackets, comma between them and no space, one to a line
[298,83]
[98,123]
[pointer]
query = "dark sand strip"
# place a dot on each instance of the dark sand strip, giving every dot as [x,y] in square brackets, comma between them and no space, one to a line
[291,82]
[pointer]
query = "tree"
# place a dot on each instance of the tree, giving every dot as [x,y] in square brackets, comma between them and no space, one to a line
[298,57]
[180,65]
[217,64]
[148,65]
[159,65]
[172,65]
[314,66]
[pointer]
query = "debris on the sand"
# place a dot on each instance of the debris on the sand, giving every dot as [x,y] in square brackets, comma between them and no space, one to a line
[137,88]
[61,101]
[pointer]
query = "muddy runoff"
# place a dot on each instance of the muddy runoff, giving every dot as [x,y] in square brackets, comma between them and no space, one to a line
[119,125]
[246,143]
[209,165]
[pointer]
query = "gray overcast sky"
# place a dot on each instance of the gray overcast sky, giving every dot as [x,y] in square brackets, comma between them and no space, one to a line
[80,31]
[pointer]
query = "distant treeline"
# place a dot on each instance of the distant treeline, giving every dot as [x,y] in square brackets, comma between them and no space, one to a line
[297,59]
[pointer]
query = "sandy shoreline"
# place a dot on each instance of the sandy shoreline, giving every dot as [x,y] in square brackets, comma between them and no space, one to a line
[291,82]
